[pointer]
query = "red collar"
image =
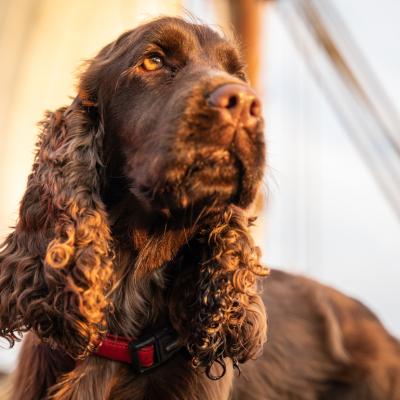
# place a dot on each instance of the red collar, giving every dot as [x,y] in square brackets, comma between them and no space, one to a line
[145,353]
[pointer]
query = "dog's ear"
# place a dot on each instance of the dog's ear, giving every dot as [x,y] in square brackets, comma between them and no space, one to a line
[55,267]
[215,306]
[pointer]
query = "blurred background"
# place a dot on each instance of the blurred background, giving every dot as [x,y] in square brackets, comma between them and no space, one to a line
[328,73]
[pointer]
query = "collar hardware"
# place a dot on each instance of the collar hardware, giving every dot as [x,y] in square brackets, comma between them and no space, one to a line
[163,344]
[144,354]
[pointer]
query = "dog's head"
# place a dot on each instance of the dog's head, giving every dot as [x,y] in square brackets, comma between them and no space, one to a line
[175,99]
[166,112]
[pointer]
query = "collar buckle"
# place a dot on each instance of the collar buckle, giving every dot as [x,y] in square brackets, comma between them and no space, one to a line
[154,350]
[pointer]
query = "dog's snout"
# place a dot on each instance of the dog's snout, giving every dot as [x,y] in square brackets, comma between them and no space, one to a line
[240,101]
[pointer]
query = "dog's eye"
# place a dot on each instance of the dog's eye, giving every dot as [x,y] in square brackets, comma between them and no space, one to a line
[153,63]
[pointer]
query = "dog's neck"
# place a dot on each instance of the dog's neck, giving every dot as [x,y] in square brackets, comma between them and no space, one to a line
[145,243]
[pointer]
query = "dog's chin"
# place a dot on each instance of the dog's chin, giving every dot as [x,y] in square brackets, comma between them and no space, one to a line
[208,183]
[202,189]
[211,182]
[196,195]
[209,194]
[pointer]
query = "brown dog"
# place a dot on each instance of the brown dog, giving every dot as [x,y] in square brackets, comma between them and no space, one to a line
[134,219]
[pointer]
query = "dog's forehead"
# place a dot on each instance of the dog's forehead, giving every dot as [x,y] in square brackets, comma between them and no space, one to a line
[179,36]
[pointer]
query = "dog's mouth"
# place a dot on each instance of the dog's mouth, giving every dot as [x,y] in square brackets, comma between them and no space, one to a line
[213,178]
[216,166]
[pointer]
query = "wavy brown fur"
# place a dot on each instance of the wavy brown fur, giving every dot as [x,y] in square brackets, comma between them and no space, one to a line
[56,265]
[223,316]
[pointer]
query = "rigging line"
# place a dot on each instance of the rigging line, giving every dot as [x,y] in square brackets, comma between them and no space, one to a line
[376,141]
[383,105]
[322,35]
[379,166]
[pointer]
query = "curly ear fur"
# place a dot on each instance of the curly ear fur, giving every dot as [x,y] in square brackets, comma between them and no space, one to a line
[215,305]
[56,266]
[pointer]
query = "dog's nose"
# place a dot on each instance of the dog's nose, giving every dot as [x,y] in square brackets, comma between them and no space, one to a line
[240,101]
